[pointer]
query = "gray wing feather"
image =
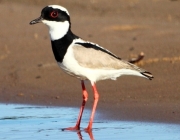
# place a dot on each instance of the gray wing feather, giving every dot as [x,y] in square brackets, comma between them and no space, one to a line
[97,59]
[91,58]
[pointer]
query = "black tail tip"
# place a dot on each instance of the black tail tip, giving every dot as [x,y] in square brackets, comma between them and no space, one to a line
[148,75]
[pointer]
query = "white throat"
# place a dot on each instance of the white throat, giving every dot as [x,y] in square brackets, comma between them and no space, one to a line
[57,29]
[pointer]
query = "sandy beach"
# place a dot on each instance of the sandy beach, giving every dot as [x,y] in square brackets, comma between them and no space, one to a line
[29,73]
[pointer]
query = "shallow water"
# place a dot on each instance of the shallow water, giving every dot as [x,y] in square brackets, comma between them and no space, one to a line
[24,122]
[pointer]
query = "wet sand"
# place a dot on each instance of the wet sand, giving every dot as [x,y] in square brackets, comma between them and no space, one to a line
[30,75]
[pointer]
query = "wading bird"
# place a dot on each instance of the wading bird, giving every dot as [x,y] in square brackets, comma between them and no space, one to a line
[83,59]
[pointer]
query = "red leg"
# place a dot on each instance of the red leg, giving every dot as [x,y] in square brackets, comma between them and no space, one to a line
[96,98]
[85,97]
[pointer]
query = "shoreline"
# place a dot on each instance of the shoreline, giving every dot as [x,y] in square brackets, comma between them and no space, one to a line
[112,115]
[126,110]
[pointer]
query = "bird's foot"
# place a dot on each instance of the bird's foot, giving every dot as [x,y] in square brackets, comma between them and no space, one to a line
[75,128]
[88,129]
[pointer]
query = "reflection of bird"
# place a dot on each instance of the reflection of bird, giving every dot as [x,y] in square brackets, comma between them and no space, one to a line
[83,59]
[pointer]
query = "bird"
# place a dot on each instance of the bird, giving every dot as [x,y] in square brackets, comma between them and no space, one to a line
[83,59]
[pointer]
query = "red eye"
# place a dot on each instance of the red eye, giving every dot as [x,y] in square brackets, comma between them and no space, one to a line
[54,14]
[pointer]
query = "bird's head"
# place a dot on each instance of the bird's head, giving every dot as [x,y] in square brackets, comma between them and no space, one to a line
[57,18]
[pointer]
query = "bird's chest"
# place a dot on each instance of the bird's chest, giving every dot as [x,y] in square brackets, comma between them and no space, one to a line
[71,70]
[70,65]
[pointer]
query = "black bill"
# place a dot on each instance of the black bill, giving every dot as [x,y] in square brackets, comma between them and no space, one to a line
[38,20]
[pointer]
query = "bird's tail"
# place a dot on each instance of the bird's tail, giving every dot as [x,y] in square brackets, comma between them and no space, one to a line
[135,70]
[147,75]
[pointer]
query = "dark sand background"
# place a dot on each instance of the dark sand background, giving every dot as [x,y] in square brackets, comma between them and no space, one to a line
[30,75]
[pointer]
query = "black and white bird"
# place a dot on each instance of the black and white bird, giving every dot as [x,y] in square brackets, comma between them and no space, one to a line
[82,59]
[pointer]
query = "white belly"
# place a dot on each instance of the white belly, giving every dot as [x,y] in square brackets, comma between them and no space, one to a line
[95,75]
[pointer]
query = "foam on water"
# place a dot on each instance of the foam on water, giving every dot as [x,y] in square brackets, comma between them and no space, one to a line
[40,122]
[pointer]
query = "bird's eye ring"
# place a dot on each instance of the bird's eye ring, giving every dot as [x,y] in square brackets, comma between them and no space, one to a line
[54,14]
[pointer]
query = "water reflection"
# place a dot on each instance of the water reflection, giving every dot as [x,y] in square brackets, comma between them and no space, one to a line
[39,122]
[80,136]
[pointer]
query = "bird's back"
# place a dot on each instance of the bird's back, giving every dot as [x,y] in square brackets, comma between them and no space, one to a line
[103,60]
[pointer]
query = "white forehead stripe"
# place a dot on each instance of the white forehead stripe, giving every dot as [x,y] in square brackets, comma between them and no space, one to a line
[59,7]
